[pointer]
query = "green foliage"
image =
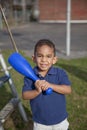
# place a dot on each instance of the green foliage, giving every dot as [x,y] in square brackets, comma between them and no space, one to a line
[76,101]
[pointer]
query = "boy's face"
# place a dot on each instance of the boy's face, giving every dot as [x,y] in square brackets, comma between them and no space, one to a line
[44,58]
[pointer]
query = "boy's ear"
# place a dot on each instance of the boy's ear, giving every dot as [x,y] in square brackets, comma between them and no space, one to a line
[33,58]
[55,60]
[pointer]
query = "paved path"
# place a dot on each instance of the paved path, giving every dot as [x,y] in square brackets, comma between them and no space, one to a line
[26,36]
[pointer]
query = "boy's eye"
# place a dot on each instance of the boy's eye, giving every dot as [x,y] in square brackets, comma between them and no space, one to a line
[39,56]
[49,56]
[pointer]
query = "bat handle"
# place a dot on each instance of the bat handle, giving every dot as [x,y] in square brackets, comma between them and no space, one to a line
[48,91]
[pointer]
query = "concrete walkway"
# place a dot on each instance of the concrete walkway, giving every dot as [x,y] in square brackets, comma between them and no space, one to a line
[26,36]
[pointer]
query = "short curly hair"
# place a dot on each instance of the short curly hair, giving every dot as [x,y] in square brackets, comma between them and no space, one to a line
[45,42]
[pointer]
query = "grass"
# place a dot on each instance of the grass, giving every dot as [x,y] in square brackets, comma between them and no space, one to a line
[76,102]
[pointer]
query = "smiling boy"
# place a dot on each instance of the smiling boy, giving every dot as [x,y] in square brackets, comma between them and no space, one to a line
[49,111]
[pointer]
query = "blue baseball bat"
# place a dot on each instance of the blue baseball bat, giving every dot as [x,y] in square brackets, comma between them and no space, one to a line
[20,64]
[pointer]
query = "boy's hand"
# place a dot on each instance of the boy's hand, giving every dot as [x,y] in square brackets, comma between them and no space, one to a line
[42,85]
[38,86]
[45,85]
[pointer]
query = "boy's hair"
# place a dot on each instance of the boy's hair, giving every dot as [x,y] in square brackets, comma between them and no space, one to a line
[45,42]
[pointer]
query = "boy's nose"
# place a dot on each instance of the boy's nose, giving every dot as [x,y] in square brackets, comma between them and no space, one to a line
[43,58]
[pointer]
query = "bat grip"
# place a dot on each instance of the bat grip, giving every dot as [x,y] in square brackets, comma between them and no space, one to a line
[48,91]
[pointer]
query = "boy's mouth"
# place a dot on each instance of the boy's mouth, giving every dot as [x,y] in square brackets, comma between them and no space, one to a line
[44,65]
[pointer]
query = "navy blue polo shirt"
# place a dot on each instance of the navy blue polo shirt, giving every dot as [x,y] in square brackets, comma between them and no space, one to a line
[48,109]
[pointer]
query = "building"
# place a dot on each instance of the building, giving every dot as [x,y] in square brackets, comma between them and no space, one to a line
[56,10]
[22,11]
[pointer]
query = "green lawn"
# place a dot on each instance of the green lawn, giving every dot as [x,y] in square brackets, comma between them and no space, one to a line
[76,102]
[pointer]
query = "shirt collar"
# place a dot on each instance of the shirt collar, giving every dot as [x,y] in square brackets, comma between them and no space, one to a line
[51,71]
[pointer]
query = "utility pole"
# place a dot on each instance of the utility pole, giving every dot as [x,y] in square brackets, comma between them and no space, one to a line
[24,10]
[68,28]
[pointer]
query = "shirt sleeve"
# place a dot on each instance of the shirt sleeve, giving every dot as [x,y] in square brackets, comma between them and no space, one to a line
[64,79]
[28,84]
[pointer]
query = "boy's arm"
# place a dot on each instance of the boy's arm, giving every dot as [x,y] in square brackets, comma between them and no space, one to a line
[63,89]
[30,94]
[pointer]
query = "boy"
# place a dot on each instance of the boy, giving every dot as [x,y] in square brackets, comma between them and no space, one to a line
[49,111]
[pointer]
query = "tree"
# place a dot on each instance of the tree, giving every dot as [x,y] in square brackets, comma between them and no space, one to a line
[7,7]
